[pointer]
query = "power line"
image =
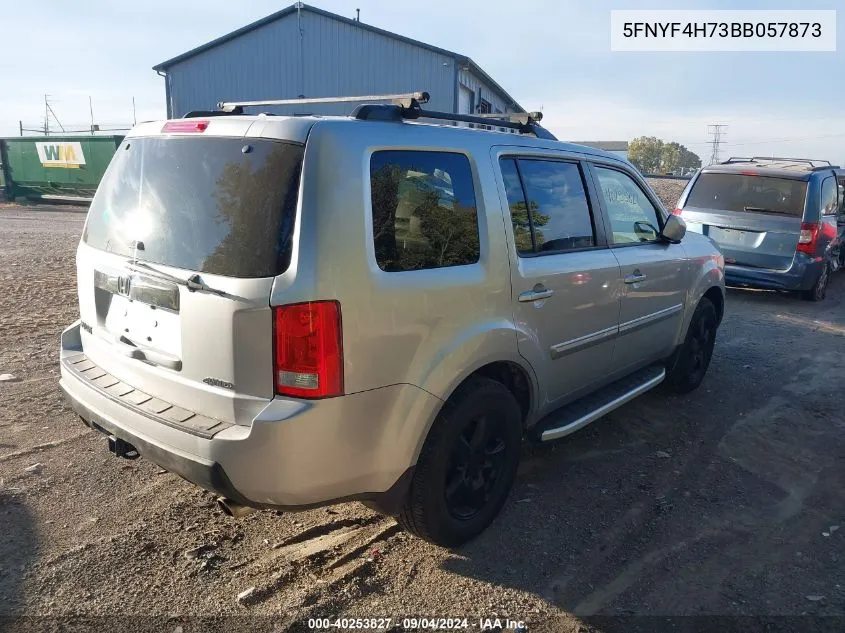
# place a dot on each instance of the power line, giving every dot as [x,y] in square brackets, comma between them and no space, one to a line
[786,140]
[716,130]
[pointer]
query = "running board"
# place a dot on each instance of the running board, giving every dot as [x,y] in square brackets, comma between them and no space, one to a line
[593,406]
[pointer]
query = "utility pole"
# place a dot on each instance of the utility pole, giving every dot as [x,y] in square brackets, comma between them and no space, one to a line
[48,110]
[91,109]
[53,112]
[716,131]
[134,117]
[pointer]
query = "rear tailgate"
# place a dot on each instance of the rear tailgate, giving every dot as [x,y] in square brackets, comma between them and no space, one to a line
[749,239]
[178,257]
[755,220]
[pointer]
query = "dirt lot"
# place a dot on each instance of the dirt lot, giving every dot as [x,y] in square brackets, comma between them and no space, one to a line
[725,502]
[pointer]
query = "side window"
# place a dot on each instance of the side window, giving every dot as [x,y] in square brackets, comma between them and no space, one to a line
[842,195]
[424,211]
[556,215]
[633,218]
[830,199]
[518,210]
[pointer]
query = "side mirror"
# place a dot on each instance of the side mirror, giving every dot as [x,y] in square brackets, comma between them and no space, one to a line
[674,229]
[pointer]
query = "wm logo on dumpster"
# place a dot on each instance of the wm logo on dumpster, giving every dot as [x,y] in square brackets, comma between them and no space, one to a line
[64,155]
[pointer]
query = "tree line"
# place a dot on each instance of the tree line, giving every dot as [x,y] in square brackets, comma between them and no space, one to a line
[652,155]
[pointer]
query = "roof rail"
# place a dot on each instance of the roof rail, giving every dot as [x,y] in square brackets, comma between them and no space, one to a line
[404,99]
[523,122]
[193,114]
[775,159]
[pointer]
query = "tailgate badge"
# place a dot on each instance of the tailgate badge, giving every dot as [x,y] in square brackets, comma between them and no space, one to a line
[216,382]
[123,283]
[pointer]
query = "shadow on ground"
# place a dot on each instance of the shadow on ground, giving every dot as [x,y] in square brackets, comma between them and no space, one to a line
[728,501]
[18,545]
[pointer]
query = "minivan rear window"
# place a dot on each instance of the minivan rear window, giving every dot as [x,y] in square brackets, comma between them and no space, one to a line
[222,206]
[752,194]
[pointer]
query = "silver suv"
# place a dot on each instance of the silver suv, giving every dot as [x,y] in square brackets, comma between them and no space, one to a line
[297,311]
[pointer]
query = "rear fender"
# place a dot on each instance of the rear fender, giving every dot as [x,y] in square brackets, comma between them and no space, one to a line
[708,272]
[481,344]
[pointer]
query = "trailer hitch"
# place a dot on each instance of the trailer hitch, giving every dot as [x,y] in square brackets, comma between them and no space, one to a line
[122,449]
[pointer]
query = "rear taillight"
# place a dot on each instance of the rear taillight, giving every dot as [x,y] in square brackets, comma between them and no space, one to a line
[186,125]
[807,240]
[308,355]
[677,211]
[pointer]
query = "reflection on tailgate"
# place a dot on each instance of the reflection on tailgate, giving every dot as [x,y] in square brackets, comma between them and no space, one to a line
[735,237]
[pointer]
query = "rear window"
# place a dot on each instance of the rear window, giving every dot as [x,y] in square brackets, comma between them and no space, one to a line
[753,194]
[222,206]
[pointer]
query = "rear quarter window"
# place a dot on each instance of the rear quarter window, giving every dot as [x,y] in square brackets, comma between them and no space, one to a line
[830,198]
[424,210]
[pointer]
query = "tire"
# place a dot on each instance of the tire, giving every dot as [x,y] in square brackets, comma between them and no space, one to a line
[478,430]
[819,290]
[692,360]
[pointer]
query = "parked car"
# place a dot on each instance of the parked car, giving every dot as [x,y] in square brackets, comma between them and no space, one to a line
[775,220]
[840,221]
[298,311]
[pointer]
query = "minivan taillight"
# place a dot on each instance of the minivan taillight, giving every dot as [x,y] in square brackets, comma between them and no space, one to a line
[677,211]
[807,240]
[308,354]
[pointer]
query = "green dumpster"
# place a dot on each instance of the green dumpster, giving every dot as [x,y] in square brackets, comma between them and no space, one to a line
[56,167]
[4,191]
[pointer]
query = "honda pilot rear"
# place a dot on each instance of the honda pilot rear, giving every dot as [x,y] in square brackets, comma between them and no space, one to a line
[204,343]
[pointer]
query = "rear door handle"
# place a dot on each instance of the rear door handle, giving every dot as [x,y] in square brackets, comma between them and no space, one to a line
[635,277]
[133,350]
[539,292]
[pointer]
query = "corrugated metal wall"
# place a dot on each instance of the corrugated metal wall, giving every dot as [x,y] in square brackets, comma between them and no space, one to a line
[336,59]
[482,91]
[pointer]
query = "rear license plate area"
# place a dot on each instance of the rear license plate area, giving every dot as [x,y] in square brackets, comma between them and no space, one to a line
[147,325]
[735,237]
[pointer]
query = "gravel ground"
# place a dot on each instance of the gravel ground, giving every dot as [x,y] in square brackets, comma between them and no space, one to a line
[668,190]
[724,502]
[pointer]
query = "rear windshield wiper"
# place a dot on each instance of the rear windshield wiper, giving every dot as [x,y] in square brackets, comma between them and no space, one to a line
[192,283]
[758,209]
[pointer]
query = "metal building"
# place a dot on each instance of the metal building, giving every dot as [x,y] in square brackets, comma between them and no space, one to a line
[302,51]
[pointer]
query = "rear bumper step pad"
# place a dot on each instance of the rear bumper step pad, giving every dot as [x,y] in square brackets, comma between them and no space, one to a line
[82,368]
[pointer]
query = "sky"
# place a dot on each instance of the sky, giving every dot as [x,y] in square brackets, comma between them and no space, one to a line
[549,55]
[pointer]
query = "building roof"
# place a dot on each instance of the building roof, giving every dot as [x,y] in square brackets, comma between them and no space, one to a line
[608,146]
[278,15]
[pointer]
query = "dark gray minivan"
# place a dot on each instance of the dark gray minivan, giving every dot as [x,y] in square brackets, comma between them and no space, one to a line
[775,219]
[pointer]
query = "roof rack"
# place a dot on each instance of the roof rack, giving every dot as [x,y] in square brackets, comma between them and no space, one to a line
[776,159]
[524,123]
[402,106]
[515,117]
[403,99]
